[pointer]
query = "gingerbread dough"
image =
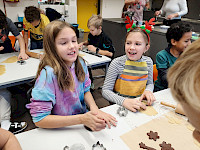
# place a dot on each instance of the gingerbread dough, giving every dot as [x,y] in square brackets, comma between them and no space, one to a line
[173,120]
[153,135]
[196,143]
[81,55]
[2,69]
[10,60]
[143,146]
[150,111]
[190,127]
[166,146]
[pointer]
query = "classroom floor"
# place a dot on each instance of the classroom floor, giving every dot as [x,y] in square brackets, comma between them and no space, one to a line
[100,101]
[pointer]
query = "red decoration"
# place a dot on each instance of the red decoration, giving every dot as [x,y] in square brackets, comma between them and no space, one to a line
[148,24]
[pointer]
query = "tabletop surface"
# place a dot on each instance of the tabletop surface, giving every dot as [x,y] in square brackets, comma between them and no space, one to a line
[56,139]
[16,72]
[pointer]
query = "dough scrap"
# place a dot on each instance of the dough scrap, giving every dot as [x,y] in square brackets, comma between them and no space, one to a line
[11,60]
[196,143]
[81,55]
[2,69]
[150,111]
[190,127]
[173,120]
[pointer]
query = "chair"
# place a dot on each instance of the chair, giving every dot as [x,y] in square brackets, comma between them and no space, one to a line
[16,44]
[28,33]
[13,40]
[104,68]
[155,73]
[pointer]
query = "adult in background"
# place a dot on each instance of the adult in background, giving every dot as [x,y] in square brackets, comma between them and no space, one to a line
[173,10]
[136,7]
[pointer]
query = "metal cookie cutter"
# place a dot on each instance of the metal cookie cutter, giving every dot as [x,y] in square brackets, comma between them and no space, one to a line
[98,146]
[21,62]
[66,148]
[76,146]
[122,111]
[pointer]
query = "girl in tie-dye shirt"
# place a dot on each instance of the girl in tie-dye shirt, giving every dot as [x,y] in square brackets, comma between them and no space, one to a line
[62,88]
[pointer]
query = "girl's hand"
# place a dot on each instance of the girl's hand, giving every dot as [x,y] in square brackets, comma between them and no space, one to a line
[133,104]
[92,48]
[109,119]
[1,48]
[131,1]
[148,95]
[157,13]
[91,120]
[23,56]
[80,45]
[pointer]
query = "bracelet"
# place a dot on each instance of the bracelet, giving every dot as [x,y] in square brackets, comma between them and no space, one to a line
[97,50]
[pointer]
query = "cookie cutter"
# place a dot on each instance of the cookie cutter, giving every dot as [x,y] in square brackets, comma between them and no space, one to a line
[122,112]
[66,148]
[21,62]
[98,145]
[76,146]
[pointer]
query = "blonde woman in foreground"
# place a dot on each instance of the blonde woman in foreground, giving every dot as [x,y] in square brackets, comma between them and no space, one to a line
[184,81]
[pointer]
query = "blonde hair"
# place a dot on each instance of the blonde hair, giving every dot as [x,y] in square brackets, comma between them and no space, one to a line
[95,20]
[54,60]
[184,76]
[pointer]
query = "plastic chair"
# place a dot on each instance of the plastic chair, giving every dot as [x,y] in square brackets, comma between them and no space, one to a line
[13,40]
[28,33]
[155,73]
[101,67]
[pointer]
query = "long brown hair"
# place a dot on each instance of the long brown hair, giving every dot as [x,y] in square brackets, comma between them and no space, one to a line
[52,59]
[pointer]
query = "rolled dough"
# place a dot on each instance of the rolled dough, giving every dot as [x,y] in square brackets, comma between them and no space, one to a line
[2,69]
[11,60]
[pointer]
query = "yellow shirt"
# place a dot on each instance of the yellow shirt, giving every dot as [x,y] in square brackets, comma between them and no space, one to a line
[36,33]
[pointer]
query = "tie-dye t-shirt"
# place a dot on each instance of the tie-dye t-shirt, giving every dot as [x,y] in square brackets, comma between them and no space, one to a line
[48,98]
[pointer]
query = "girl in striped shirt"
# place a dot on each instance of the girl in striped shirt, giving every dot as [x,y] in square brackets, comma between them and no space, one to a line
[131,75]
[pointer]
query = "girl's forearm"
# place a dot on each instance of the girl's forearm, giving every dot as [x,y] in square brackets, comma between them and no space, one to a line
[56,121]
[90,101]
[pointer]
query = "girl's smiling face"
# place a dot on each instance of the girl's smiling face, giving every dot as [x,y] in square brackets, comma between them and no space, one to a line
[67,46]
[135,46]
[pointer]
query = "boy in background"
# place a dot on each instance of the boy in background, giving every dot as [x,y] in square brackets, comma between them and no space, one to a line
[178,36]
[98,41]
[6,26]
[34,22]
[184,82]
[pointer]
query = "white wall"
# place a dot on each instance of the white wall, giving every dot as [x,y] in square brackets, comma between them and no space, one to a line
[13,9]
[111,8]
[69,10]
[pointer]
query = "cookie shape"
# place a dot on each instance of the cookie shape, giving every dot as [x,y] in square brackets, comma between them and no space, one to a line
[153,135]
[165,146]
[142,145]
